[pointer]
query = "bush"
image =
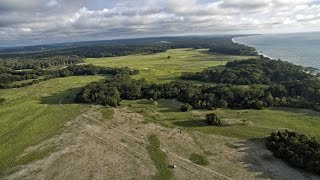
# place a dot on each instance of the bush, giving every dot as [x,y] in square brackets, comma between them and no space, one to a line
[2,100]
[199,159]
[213,119]
[185,107]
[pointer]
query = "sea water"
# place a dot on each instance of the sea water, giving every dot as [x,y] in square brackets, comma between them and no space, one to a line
[300,48]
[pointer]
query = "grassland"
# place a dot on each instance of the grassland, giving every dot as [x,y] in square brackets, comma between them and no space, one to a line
[33,114]
[260,123]
[158,68]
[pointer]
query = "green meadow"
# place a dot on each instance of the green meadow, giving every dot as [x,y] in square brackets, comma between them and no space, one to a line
[159,68]
[257,124]
[35,113]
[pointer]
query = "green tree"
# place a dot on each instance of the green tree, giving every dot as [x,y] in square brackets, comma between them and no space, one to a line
[185,107]
[213,119]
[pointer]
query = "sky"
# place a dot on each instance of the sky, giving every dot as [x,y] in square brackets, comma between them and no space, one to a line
[29,22]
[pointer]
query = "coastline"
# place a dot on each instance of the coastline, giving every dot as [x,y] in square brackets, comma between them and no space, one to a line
[317,71]
[260,53]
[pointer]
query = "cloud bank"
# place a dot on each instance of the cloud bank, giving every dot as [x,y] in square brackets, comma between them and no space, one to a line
[48,21]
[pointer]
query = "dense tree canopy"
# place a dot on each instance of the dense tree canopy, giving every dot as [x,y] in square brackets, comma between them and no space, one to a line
[94,49]
[8,75]
[199,97]
[297,149]
[252,71]
[287,84]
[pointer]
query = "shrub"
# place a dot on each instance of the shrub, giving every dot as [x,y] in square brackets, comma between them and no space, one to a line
[199,159]
[186,107]
[213,119]
[244,121]
[2,100]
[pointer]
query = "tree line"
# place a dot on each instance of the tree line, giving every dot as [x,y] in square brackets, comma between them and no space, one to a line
[39,75]
[252,71]
[95,49]
[112,90]
[297,149]
[287,84]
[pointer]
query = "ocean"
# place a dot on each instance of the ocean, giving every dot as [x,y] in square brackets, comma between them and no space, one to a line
[300,48]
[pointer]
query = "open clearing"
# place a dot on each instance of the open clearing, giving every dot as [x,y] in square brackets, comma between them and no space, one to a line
[158,68]
[44,135]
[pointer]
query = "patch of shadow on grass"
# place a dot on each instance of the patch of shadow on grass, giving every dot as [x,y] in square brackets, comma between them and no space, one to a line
[197,123]
[191,123]
[260,160]
[297,111]
[62,97]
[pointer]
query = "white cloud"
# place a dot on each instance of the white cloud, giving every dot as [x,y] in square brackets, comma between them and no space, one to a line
[69,20]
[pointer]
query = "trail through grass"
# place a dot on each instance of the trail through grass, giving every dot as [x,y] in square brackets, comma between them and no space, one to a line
[159,158]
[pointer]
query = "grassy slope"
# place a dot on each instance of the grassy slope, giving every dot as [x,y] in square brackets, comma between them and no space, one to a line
[33,113]
[158,68]
[260,122]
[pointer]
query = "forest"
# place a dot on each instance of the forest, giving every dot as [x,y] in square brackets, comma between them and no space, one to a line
[95,49]
[289,83]
[297,149]
[47,68]
[112,90]
[252,71]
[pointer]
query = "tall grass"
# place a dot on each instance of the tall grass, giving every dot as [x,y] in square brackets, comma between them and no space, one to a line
[159,158]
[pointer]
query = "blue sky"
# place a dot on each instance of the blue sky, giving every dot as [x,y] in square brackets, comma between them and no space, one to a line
[54,21]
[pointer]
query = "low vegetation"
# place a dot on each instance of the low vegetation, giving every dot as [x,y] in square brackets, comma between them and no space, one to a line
[297,149]
[213,119]
[159,158]
[2,100]
[199,159]
[185,107]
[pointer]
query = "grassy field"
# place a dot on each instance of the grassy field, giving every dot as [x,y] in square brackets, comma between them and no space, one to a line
[260,123]
[158,68]
[33,114]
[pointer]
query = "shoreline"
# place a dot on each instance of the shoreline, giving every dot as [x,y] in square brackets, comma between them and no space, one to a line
[266,56]
[260,53]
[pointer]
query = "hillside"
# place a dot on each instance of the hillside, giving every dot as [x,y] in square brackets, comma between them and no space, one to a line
[46,135]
